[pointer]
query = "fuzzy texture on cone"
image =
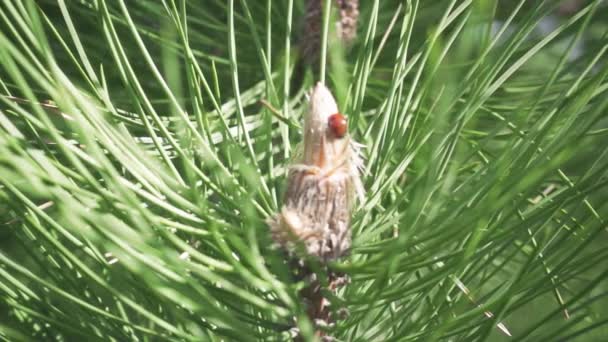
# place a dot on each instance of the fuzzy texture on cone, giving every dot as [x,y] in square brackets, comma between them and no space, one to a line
[321,186]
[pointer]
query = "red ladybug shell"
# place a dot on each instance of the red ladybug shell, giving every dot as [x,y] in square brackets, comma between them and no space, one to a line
[337,124]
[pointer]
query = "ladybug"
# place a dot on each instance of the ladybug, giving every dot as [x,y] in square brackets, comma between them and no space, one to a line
[337,124]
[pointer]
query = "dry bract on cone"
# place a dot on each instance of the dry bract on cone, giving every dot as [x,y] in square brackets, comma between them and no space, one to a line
[321,184]
[346,26]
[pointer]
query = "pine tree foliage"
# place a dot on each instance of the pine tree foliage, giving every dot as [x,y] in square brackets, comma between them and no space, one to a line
[144,143]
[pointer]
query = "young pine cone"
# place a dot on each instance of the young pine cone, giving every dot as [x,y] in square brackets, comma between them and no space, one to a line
[321,185]
[346,26]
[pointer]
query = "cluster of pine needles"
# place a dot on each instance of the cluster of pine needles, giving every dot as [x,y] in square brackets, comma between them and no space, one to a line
[144,143]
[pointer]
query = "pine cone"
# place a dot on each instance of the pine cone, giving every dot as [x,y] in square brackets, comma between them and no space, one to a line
[346,26]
